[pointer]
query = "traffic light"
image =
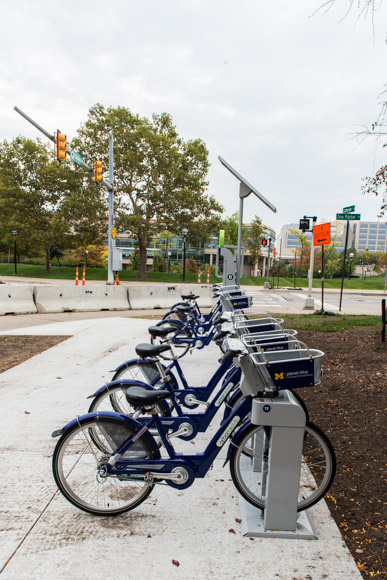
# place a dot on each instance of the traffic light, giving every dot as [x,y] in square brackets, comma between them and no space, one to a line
[264,242]
[61,146]
[97,170]
[304,225]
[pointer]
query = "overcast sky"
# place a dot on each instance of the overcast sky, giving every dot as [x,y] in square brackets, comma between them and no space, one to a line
[272,88]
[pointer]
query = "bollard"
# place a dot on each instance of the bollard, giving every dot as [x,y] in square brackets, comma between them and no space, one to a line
[199,276]
[84,276]
[208,276]
[76,276]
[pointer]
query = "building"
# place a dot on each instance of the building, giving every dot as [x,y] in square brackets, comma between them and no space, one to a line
[371,236]
[205,254]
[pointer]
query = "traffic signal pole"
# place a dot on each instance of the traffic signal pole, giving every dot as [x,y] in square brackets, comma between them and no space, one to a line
[107,184]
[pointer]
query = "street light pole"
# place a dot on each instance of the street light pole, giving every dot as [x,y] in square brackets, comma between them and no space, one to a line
[111,242]
[14,232]
[185,233]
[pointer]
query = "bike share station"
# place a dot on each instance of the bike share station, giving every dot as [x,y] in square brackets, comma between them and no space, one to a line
[280,481]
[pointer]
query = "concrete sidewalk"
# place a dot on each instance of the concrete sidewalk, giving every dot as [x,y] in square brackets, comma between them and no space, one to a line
[42,536]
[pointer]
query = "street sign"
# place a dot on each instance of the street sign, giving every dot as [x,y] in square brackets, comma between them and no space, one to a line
[349,209]
[304,224]
[114,232]
[322,234]
[76,157]
[348,216]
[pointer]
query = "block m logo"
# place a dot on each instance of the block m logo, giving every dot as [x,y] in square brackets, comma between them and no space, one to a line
[278,376]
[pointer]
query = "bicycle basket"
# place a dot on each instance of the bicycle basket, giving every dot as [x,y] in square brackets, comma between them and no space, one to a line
[291,369]
[270,342]
[258,325]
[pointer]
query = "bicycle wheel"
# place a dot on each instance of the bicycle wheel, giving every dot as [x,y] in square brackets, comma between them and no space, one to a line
[177,349]
[114,399]
[78,467]
[249,465]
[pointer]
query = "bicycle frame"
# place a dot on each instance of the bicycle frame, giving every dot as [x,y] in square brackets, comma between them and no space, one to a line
[196,340]
[195,466]
[199,317]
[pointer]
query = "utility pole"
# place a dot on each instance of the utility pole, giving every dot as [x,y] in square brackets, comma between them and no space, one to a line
[305,227]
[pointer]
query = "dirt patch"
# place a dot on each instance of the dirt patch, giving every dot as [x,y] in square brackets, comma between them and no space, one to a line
[350,407]
[16,349]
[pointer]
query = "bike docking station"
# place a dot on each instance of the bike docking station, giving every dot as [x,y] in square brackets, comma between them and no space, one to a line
[280,480]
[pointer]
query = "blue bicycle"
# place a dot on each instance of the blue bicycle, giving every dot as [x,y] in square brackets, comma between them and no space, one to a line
[108,464]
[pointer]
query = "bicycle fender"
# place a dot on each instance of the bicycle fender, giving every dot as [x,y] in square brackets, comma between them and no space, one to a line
[128,382]
[230,403]
[234,440]
[128,362]
[110,415]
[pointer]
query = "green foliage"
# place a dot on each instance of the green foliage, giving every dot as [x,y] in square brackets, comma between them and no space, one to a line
[331,323]
[158,263]
[230,226]
[135,260]
[51,205]
[254,240]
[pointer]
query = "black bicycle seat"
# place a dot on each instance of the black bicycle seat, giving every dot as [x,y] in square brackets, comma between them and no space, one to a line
[139,396]
[146,349]
[184,308]
[189,296]
[161,330]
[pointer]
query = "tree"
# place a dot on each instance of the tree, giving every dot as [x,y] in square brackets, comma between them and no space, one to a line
[230,226]
[159,179]
[49,204]
[254,240]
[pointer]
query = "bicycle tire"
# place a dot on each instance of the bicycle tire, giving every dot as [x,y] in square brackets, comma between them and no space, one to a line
[318,466]
[78,467]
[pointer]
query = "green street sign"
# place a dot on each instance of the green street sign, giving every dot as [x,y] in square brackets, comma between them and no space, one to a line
[221,239]
[348,216]
[349,209]
[76,157]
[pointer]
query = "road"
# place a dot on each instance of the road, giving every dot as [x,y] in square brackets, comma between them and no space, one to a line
[292,301]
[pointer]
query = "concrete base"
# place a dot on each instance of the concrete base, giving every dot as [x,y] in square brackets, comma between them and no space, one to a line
[253,527]
[309,304]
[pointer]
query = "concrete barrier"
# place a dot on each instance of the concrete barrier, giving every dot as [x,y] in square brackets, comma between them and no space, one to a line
[17,300]
[80,298]
[165,295]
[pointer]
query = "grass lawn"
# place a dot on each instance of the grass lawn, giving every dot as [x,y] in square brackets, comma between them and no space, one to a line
[68,273]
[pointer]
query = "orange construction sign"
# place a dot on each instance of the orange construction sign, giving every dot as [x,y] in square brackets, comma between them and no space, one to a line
[322,234]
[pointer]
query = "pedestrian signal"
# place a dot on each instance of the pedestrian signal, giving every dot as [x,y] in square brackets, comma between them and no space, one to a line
[264,242]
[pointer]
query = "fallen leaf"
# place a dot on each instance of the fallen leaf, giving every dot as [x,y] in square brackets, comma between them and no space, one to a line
[231,531]
[176,562]
[27,412]
[238,520]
